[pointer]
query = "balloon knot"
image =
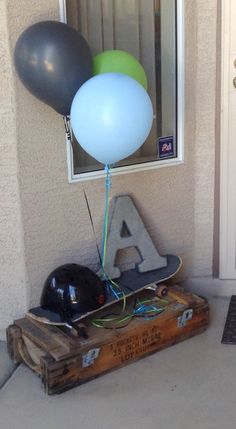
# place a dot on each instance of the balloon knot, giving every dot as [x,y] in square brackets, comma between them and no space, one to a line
[108,176]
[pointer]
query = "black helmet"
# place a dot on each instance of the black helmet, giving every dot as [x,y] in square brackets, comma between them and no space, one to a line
[72,290]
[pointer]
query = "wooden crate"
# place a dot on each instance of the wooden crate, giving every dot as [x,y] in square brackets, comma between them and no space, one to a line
[63,361]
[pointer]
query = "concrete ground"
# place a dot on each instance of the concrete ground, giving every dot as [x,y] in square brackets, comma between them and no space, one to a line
[189,386]
[6,365]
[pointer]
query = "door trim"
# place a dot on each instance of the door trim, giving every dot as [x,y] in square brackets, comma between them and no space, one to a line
[226,270]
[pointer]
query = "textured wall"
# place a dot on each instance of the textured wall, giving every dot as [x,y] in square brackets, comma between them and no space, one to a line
[205,136]
[13,279]
[173,202]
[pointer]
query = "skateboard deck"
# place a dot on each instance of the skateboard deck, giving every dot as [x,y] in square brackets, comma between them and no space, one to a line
[129,284]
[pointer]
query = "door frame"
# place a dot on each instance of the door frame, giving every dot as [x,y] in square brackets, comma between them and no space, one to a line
[227,245]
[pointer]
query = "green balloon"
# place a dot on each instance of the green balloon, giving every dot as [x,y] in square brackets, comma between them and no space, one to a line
[117,61]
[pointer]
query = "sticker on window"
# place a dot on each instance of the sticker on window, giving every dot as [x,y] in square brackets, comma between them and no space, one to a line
[166,147]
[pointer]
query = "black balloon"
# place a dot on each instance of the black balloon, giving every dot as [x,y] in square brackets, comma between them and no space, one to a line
[53,60]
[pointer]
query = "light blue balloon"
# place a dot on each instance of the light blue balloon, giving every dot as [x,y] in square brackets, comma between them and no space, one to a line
[111,116]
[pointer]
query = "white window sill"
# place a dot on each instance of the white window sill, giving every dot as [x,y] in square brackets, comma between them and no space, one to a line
[92,175]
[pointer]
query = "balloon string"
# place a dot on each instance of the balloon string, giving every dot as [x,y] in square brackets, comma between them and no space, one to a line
[106,215]
[146,309]
[92,224]
[66,120]
[112,287]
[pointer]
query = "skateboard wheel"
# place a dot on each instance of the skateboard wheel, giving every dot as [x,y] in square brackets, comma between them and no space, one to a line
[161,291]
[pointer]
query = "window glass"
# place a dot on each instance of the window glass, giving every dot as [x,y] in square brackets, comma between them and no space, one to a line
[146,29]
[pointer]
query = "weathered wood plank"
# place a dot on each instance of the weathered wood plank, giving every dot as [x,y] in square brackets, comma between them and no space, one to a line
[44,338]
[63,361]
[126,349]
[55,333]
[13,335]
[72,375]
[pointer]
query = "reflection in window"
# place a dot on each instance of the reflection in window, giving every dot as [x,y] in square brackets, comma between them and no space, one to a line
[147,30]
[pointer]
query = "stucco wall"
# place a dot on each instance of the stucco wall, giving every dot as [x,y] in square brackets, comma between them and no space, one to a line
[13,278]
[204,158]
[176,203]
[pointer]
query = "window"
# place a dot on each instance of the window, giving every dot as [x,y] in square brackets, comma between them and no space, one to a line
[152,31]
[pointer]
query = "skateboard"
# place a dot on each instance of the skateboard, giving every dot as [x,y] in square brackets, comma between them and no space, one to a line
[130,284]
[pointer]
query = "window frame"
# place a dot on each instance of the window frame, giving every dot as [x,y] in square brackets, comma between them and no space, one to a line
[180,97]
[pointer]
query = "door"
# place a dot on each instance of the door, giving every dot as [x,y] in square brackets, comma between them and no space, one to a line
[228,143]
